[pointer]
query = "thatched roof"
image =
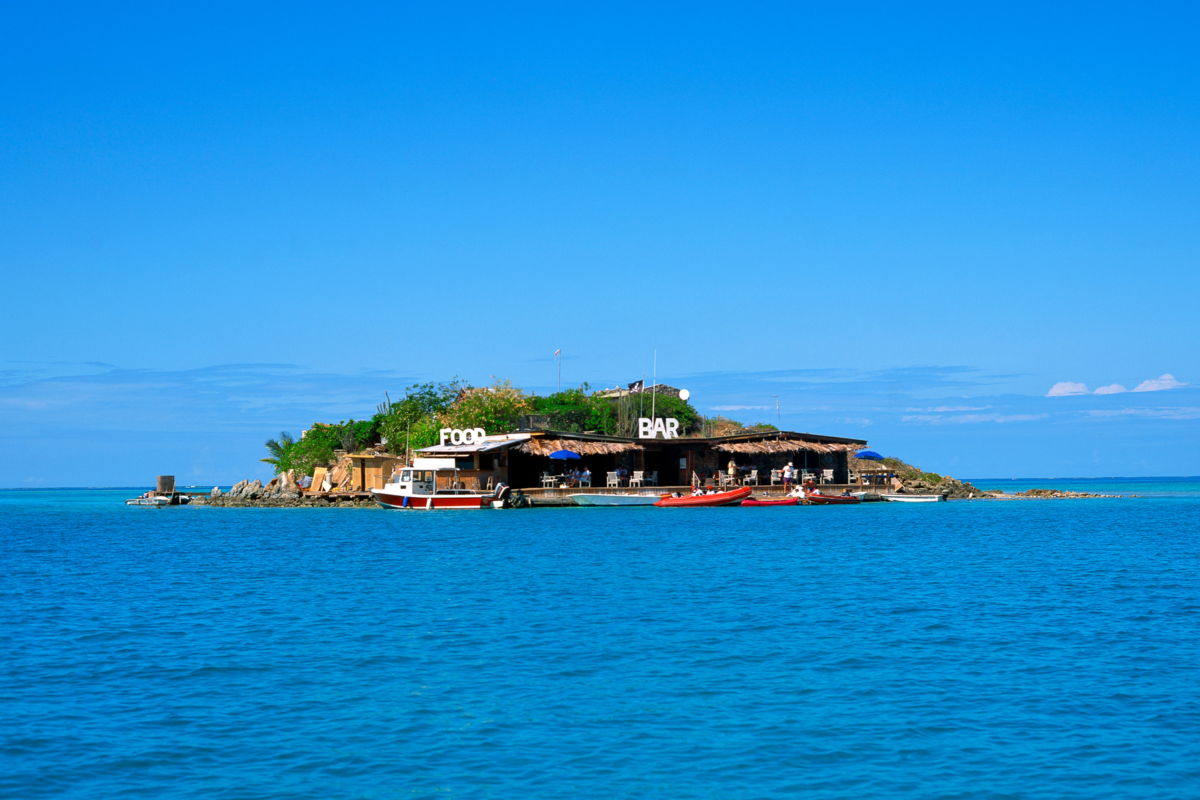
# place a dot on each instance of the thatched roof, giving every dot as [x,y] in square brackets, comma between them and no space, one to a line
[785,446]
[543,447]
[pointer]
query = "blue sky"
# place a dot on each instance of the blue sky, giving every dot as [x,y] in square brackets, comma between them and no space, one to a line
[223,221]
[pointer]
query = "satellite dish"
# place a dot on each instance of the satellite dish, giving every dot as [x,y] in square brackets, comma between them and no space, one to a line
[684,394]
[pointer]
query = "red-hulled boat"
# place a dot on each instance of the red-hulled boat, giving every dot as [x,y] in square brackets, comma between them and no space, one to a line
[786,501]
[731,498]
[416,487]
[817,499]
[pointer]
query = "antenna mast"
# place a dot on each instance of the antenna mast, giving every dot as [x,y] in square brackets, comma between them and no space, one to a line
[653,384]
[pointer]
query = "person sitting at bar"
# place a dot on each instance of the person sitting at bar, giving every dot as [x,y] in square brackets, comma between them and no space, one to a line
[585,476]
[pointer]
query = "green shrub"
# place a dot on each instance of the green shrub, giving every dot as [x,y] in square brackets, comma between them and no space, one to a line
[496,408]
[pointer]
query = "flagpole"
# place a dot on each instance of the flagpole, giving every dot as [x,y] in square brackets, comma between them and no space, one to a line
[654,384]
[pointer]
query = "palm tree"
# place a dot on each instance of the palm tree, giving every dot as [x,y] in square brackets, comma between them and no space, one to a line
[278,449]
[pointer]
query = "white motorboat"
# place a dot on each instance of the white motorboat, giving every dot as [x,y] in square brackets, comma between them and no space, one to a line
[912,498]
[157,501]
[615,499]
[416,487]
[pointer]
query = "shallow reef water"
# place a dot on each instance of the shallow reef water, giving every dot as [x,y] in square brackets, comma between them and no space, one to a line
[1016,649]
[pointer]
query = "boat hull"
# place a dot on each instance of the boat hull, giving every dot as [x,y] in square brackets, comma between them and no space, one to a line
[912,498]
[732,498]
[790,501]
[390,500]
[832,500]
[615,499]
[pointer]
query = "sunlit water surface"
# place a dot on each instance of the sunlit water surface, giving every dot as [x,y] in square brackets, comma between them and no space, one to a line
[1032,649]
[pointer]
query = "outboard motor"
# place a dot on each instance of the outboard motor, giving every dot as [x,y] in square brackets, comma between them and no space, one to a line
[503,496]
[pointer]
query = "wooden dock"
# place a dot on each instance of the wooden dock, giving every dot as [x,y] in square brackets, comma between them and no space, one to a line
[558,496]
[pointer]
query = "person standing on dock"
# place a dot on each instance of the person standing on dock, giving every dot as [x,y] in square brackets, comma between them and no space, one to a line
[787,477]
[732,470]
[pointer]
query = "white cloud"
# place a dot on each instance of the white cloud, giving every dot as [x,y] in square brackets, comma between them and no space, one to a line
[1066,388]
[960,419]
[1166,381]
[739,408]
[1112,388]
[1020,417]
[1179,412]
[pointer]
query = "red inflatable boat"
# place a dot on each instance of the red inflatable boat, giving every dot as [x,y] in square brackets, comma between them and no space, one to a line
[786,501]
[730,498]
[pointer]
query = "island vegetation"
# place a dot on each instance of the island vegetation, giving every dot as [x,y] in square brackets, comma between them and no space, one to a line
[413,421]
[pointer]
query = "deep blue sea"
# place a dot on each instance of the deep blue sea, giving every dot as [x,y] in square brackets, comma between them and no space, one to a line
[994,649]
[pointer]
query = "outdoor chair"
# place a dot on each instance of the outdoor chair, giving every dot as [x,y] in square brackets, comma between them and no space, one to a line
[752,477]
[652,478]
[490,486]
[776,476]
[548,480]
[637,479]
[826,476]
[586,481]
[805,476]
[614,480]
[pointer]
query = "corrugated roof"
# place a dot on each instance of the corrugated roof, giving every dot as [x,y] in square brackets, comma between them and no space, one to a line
[487,446]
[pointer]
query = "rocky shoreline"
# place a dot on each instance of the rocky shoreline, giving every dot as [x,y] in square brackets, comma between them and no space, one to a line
[284,492]
[1057,494]
[281,494]
[948,487]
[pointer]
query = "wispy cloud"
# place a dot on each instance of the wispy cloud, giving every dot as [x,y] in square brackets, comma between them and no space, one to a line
[739,408]
[1067,388]
[1176,412]
[1159,384]
[961,419]
[1112,388]
[948,409]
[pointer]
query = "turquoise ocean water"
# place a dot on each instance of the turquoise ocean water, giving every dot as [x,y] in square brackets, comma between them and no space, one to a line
[1023,649]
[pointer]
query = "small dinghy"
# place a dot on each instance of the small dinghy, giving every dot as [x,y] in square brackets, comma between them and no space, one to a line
[157,501]
[787,501]
[730,498]
[913,498]
[815,499]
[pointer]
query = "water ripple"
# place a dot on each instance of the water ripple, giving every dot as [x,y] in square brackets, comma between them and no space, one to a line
[962,650]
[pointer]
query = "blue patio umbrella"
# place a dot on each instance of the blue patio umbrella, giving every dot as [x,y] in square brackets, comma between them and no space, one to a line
[564,455]
[869,455]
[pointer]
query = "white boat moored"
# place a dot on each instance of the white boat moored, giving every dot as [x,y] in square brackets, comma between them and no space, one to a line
[158,501]
[615,499]
[912,498]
